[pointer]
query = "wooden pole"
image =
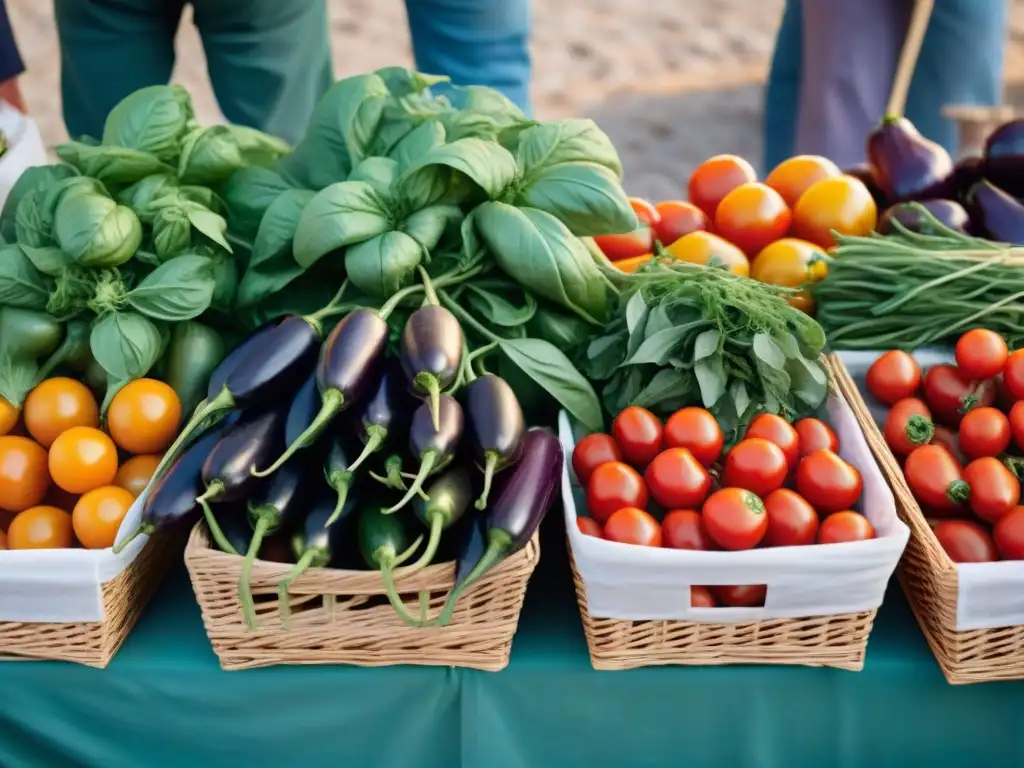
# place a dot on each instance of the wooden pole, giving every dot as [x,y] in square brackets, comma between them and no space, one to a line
[908,58]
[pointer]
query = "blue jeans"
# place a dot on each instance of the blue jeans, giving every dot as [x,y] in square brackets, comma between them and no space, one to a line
[961,62]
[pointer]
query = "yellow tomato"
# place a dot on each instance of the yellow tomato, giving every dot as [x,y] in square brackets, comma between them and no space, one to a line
[23,475]
[144,416]
[792,177]
[40,528]
[842,204]
[706,248]
[9,416]
[791,263]
[632,265]
[83,459]
[98,515]
[135,474]
[57,405]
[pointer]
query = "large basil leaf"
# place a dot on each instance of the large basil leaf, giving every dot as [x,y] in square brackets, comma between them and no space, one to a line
[33,221]
[96,231]
[21,284]
[342,214]
[148,196]
[427,225]
[258,148]
[126,345]
[586,197]
[114,166]
[487,164]
[209,155]
[417,143]
[248,194]
[340,132]
[378,172]
[172,233]
[38,177]
[177,290]
[384,264]
[563,330]
[152,120]
[504,305]
[401,116]
[402,82]
[211,225]
[272,266]
[537,250]
[50,260]
[483,113]
[566,141]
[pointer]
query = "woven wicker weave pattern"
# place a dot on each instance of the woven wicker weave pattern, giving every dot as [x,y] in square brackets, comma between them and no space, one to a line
[343,617]
[929,576]
[95,643]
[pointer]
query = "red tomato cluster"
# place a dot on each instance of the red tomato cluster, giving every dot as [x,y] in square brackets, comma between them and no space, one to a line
[669,485]
[952,427]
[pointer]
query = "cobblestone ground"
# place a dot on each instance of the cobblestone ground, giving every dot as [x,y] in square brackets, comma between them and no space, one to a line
[672,81]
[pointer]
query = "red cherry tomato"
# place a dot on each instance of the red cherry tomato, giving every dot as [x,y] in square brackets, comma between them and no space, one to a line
[981,354]
[677,480]
[590,527]
[1013,374]
[1017,423]
[995,490]
[701,597]
[698,431]
[966,542]
[845,526]
[950,394]
[756,465]
[646,212]
[828,482]
[935,478]
[638,433]
[776,429]
[679,218]
[684,529]
[611,487]
[1008,534]
[815,434]
[894,376]
[630,525]
[591,452]
[639,242]
[908,426]
[735,518]
[947,438]
[742,596]
[716,177]
[792,522]
[984,432]
[752,217]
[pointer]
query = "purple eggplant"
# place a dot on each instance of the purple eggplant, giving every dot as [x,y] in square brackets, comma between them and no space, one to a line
[1000,215]
[496,425]
[385,411]
[905,164]
[863,174]
[304,408]
[967,172]
[220,374]
[348,365]
[234,521]
[1004,157]
[431,353]
[434,447]
[949,213]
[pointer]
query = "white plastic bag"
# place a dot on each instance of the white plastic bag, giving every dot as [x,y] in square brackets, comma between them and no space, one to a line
[631,582]
[989,594]
[25,147]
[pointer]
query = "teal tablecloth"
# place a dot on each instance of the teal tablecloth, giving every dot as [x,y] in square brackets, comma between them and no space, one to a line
[165,702]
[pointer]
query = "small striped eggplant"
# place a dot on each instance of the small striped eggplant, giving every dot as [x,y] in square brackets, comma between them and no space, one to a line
[431,354]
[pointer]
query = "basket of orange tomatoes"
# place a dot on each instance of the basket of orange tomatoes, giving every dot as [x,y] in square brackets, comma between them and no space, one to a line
[68,484]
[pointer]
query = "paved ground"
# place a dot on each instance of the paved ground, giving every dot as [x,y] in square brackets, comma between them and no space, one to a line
[672,81]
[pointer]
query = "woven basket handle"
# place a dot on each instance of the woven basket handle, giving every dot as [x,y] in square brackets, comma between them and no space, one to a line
[908,58]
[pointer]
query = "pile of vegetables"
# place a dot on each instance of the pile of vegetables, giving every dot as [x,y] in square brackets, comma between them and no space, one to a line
[671,485]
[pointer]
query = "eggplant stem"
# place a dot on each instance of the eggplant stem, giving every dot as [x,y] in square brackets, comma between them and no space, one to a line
[428,287]
[409,552]
[392,304]
[342,487]
[426,466]
[428,384]
[263,523]
[497,546]
[147,529]
[282,589]
[489,469]
[424,606]
[436,528]
[213,490]
[394,599]
[224,401]
[467,318]
[333,402]
[375,437]
[388,481]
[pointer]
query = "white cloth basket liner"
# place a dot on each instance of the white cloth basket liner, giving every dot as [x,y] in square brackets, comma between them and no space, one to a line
[630,582]
[989,595]
[25,147]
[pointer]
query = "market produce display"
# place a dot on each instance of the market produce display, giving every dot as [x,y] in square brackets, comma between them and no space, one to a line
[958,430]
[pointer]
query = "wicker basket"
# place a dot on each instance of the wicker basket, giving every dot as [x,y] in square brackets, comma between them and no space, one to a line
[929,576]
[343,617]
[95,643]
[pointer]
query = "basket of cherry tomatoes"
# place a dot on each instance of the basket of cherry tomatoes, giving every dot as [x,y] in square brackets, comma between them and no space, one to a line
[690,548]
[947,428]
[67,484]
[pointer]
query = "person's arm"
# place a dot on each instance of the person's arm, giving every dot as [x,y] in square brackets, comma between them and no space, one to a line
[11,64]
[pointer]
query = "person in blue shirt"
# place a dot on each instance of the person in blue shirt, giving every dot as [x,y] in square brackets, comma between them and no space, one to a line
[270,60]
[835,60]
[11,65]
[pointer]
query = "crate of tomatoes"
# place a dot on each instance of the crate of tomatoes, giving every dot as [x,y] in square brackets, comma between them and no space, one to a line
[68,484]
[947,428]
[776,548]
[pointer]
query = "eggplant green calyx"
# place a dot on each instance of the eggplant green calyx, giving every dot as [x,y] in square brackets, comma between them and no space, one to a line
[341,482]
[213,491]
[221,404]
[490,467]
[145,529]
[333,402]
[428,384]
[311,558]
[426,467]
[375,437]
[498,544]
[264,521]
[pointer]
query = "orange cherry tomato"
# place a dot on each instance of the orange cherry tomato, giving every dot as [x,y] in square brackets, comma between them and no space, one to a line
[135,474]
[40,528]
[678,218]
[3,540]
[752,216]
[57,405]
[630,525]
[98,515]
[633,264]
[792,177]
[144,416]
[842,204]
[83,459]
[630,245]
[590,527]
[791,263]
[711,250]
[9,416]
[715,178]
[646,212]
[23,476]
